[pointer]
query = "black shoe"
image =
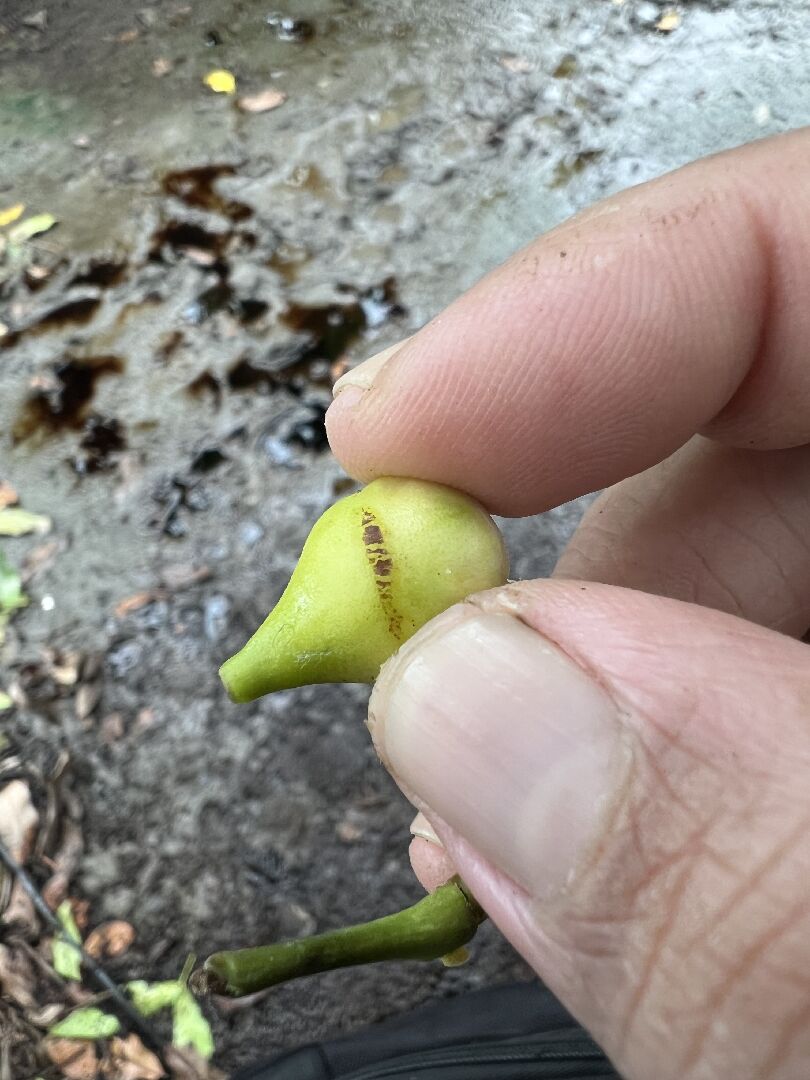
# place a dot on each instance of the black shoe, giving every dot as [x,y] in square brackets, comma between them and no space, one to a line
[518,1032]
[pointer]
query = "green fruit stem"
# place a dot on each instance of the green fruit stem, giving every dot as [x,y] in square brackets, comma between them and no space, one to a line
[438,925]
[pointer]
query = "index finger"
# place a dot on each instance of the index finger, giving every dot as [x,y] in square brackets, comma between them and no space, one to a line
[677,307]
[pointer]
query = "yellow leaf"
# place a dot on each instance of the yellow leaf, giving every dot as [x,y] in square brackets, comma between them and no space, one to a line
[669,21]
[11,214]
[32,226]
[14,521]
[221,81]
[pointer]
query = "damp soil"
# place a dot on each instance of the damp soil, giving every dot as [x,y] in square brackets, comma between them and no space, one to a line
[166,358]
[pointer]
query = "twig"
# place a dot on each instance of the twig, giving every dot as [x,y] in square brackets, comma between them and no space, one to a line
[95,971]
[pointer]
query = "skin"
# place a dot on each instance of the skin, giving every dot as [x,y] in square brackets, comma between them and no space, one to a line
[655,345]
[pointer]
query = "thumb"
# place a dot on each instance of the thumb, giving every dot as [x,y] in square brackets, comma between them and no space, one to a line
[622,781]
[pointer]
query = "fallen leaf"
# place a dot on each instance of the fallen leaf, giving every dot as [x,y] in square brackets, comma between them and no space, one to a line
[33,226]
[18,819]
[62,667]
[189,1065]
[11,213]
[77,1060]
[179,577]
[112,728]
[37,20]
[135,602]
[148,998]
[518,65]
[8,495]
[81,912]
[46,1016]
[161,66]
[126,37]
[110,939]
[67,959]
[264,101]
[12,598]
[14,521]
[88,1023]
[220,81]
[189,1026]
[669,21]
[64,864]
[87,697]
[128,1059]
[17,978]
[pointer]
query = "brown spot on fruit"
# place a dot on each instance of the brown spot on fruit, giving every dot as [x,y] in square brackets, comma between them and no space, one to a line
[372,534]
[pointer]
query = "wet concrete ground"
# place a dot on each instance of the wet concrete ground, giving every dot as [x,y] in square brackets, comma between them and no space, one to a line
[167,355]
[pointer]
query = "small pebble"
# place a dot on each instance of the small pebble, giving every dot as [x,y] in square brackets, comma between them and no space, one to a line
[215,617]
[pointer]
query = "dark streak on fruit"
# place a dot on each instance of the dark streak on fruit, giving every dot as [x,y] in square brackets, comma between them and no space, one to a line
[382,565]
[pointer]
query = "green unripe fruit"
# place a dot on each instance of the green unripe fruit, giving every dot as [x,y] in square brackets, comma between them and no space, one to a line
[377,565]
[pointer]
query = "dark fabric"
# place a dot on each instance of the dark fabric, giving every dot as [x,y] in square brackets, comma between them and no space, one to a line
[517,1032]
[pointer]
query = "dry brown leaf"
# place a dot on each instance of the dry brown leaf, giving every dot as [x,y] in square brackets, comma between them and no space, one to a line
[136,602]
[63,667]
[187,1064]
[126,37]
[64,864]
[18,819]
[17,978]
[128,1059]
[110,939]
[264,101]
[161,66]
[75,1057]
[87,697]
[8,496]
[182,576]
[46,1016]
[112,728]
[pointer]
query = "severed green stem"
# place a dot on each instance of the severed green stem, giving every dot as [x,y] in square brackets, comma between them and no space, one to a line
[436,926]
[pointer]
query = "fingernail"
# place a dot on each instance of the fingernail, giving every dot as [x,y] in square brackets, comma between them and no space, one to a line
[363,376]
[493,728]
[421,827]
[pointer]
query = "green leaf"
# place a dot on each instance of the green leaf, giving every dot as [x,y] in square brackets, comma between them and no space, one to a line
[32,226]
[17,522]
[11,595]
[67,959]
[190,1028]
[149,997]
[5,703]
[89,1023]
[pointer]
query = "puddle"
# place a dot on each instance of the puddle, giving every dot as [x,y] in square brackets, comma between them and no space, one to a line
[197,188]
[102,440]
[101,272]
[62,396]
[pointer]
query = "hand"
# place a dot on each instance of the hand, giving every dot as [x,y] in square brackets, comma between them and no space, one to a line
[620,769]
